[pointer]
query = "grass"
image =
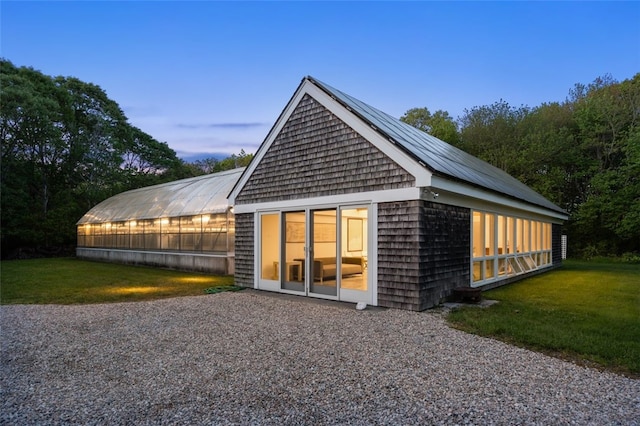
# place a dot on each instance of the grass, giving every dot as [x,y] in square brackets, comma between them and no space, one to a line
[73,281]
[585,312]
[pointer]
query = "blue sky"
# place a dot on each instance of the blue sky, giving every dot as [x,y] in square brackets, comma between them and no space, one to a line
[212,77]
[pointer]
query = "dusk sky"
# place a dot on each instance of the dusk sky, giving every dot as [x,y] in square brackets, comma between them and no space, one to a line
[212,77]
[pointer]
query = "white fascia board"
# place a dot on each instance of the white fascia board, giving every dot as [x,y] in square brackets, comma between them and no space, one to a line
[419,172]
[460,194]
[386,196]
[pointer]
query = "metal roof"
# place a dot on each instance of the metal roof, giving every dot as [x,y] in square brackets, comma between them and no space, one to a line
[440,157]
[186,197]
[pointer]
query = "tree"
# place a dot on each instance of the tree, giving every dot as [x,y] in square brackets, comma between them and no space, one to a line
[583,154]
[213,165]
[65,147]
[32,150]
[607,221]
[549,159]
[439,124]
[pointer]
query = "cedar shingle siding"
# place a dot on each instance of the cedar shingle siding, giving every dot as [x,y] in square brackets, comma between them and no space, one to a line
[448,231]
[244,250]
[401,234]
[423,253]
[316,154]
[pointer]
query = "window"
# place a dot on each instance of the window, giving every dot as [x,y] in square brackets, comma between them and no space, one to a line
[502,235]
[504,246]
[200,233]
[489,235]
[478,241]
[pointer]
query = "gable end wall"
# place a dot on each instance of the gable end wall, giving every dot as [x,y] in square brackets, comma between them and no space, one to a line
[316,154]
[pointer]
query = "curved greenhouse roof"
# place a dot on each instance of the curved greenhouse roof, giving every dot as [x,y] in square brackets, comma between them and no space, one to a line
[186,197]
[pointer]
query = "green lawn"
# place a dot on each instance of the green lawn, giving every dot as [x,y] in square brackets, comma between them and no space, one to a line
[70,281]
[586,312]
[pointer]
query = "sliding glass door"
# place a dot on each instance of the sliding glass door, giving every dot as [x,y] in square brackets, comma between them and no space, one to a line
[317,252]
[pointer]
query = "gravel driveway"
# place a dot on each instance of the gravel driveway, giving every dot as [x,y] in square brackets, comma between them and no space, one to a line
[258,358]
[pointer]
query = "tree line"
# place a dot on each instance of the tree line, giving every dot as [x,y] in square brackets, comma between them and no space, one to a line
[582,154]
[66,147]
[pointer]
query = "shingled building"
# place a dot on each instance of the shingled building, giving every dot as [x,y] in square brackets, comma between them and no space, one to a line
[345,202]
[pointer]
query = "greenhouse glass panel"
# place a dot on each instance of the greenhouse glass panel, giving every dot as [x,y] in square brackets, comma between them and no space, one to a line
[170,228]
[136,229]
[122,235]
[151,234]
[187,197]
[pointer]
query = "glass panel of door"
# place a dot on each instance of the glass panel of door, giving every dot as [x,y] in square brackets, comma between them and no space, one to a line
[325,263]
[354,243]
[269,247]
[291,269]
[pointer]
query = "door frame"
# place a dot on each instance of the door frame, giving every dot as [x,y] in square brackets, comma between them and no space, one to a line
[369,296]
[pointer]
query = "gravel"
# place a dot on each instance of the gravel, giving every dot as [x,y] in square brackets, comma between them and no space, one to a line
[259,358]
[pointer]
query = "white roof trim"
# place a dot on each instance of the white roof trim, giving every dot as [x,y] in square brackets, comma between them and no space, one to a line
[385,196]
[463,195]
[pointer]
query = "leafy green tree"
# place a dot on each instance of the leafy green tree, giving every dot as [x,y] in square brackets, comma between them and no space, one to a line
[439,124]
[606,113]
[206,165]
[549,159]
[582,154]
[65,147]
[213,165]
[234,161]
[32,149]
[493,133]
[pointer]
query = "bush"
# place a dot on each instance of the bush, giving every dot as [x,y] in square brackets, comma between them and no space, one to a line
[632,258]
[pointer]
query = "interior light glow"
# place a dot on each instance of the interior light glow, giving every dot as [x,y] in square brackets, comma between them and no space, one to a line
[200,220]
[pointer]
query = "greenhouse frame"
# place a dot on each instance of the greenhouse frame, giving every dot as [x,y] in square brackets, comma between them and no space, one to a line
[186,224]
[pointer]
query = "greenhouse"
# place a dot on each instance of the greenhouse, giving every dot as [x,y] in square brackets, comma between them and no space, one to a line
[186,224]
